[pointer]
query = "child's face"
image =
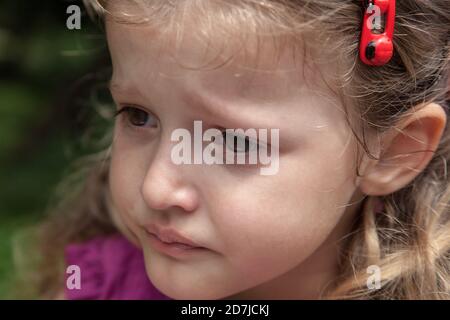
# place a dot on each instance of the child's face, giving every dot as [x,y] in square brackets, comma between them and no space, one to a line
[275,229]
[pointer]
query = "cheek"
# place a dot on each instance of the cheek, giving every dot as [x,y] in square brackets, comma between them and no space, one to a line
[287,217]
[279,221]
[125,184]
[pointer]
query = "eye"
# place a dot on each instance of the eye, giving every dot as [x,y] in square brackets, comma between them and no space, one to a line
[238,143]
[137,117]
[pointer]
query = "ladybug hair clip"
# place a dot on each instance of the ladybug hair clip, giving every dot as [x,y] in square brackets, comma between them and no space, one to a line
[376,47]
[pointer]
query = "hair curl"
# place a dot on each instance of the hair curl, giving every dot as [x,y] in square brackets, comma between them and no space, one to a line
[409,239]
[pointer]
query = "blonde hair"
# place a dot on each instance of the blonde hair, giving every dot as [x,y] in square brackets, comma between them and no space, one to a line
[410,238]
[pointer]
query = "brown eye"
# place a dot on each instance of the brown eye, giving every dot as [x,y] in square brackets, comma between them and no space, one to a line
[138,117]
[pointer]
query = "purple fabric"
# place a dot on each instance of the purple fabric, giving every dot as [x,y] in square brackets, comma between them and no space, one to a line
[111,268]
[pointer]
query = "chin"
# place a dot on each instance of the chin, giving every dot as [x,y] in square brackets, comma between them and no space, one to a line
[192,292]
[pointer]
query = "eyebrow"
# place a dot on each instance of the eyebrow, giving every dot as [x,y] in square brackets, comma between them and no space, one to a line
[213,108]
[210,106]
[116,86]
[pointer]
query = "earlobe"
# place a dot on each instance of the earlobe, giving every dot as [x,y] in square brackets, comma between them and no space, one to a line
[406,150]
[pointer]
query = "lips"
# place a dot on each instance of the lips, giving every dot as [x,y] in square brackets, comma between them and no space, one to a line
[171,236]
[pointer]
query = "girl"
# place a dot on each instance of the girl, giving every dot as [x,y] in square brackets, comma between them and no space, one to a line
[359,207]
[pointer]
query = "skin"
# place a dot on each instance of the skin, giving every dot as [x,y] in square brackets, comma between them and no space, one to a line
[269,237]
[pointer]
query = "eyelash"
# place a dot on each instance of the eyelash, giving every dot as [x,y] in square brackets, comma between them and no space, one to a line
[128,110]
[247,142]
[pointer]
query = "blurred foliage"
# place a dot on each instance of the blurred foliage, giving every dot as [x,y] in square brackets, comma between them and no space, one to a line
[47,75]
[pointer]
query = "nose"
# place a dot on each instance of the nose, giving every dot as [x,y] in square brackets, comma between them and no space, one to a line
[166,184]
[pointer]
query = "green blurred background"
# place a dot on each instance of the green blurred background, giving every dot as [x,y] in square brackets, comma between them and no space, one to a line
[48,80]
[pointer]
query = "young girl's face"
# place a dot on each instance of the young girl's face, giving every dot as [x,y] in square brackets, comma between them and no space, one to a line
[264,236]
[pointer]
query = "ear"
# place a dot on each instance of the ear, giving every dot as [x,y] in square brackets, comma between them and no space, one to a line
[405,151]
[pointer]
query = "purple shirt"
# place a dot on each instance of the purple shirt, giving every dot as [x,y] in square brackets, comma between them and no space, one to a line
[111,268]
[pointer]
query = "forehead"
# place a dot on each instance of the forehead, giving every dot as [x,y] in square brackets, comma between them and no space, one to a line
[207,50]
[259,68]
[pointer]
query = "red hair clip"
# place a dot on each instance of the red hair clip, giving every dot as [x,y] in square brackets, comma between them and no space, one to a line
[377,48]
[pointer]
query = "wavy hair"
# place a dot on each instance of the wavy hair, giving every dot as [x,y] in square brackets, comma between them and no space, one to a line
[409,237]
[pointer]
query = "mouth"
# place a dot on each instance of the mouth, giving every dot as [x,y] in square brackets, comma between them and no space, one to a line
[170,242]
[175,250]
[178,244]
